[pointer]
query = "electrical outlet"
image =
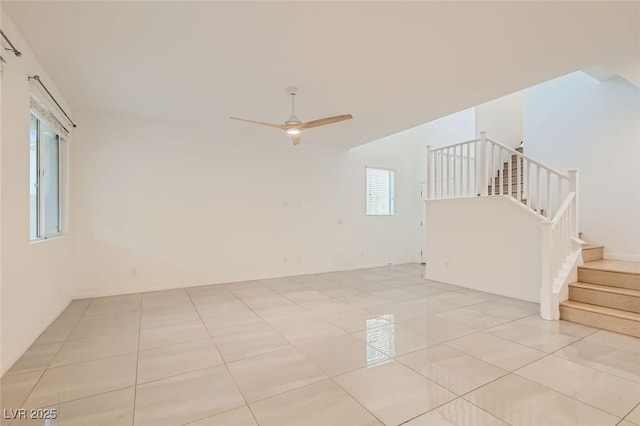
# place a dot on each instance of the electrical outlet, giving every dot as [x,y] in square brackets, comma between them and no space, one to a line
[133,272]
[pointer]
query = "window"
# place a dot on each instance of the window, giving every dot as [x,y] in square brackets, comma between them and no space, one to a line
[380,192]
[44,180]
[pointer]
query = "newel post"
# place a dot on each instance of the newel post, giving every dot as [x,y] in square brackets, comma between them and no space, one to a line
[548,309]
[481,187]
[430,174]
[574,186]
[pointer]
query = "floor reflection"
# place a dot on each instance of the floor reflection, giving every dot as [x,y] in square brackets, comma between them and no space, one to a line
[380,335]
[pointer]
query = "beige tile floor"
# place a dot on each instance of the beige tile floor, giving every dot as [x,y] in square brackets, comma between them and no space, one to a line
[365,347]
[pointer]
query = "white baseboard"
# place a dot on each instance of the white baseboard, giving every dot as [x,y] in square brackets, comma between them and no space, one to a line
[621,256]
[92,295]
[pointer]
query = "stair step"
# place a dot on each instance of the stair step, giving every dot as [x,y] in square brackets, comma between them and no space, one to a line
[592,253]
[601,295]
[514,184]
[505,173]
[514,166]
[505,180]
[514,193]
[624,322]
[616,273]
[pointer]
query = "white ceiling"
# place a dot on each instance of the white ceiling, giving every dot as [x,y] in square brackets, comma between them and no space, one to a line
[392,65]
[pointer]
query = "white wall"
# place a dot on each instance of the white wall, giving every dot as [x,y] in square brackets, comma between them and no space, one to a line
[502,119]
[578,122]
[497,249]
[159,206]
[36,278]
[444,131]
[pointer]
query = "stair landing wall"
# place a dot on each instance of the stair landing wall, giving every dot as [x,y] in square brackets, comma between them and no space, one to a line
[489,244]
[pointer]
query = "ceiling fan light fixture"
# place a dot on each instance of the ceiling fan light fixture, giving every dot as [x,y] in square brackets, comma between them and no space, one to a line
[293,126]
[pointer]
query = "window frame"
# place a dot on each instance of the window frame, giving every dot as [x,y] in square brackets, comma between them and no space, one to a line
[41,205]
[392,190]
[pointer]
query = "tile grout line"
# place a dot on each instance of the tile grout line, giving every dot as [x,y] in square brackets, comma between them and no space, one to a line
[221,357]
[54,357]
[346,390]
[309,384]
[316,315]
[546,354]
[541,385]
[508,372]
[99,358]
[135,382]
[458,396]
[630,411]
[557,391]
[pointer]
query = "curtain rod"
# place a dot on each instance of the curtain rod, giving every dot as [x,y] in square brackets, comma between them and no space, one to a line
[12,47]
[37,78]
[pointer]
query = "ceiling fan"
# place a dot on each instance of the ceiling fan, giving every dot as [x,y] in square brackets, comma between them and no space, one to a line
[293,126]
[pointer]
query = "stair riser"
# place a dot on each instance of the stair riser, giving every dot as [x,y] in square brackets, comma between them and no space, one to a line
[514,187]
[514,194]
[589,255]
[614,279]
[505,174]
[607,322]
[603,298]
[505,181]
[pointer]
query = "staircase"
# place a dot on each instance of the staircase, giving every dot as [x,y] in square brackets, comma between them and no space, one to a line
[482,167]
[504,173]
[607,294]
[517,179]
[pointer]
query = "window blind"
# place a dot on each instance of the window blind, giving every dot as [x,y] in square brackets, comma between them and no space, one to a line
[380,191]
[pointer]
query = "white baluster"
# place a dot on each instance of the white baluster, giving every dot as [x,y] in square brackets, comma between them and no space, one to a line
[430,174]
[528,178]
[538,191]
[468,189]
[545,272]
[559,196]
[441,175]
[574,185]
[510,171]
[548,212]
[501,174]
[460,175]
[492,165]
[451,173]
[518,179]
[483,164]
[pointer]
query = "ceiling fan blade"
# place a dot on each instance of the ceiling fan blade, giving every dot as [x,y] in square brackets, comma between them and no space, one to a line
[295,139]
[325,121]
[277,126]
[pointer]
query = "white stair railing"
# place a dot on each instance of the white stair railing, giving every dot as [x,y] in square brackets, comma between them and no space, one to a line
[561,249]
[453,170]
[483,167]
